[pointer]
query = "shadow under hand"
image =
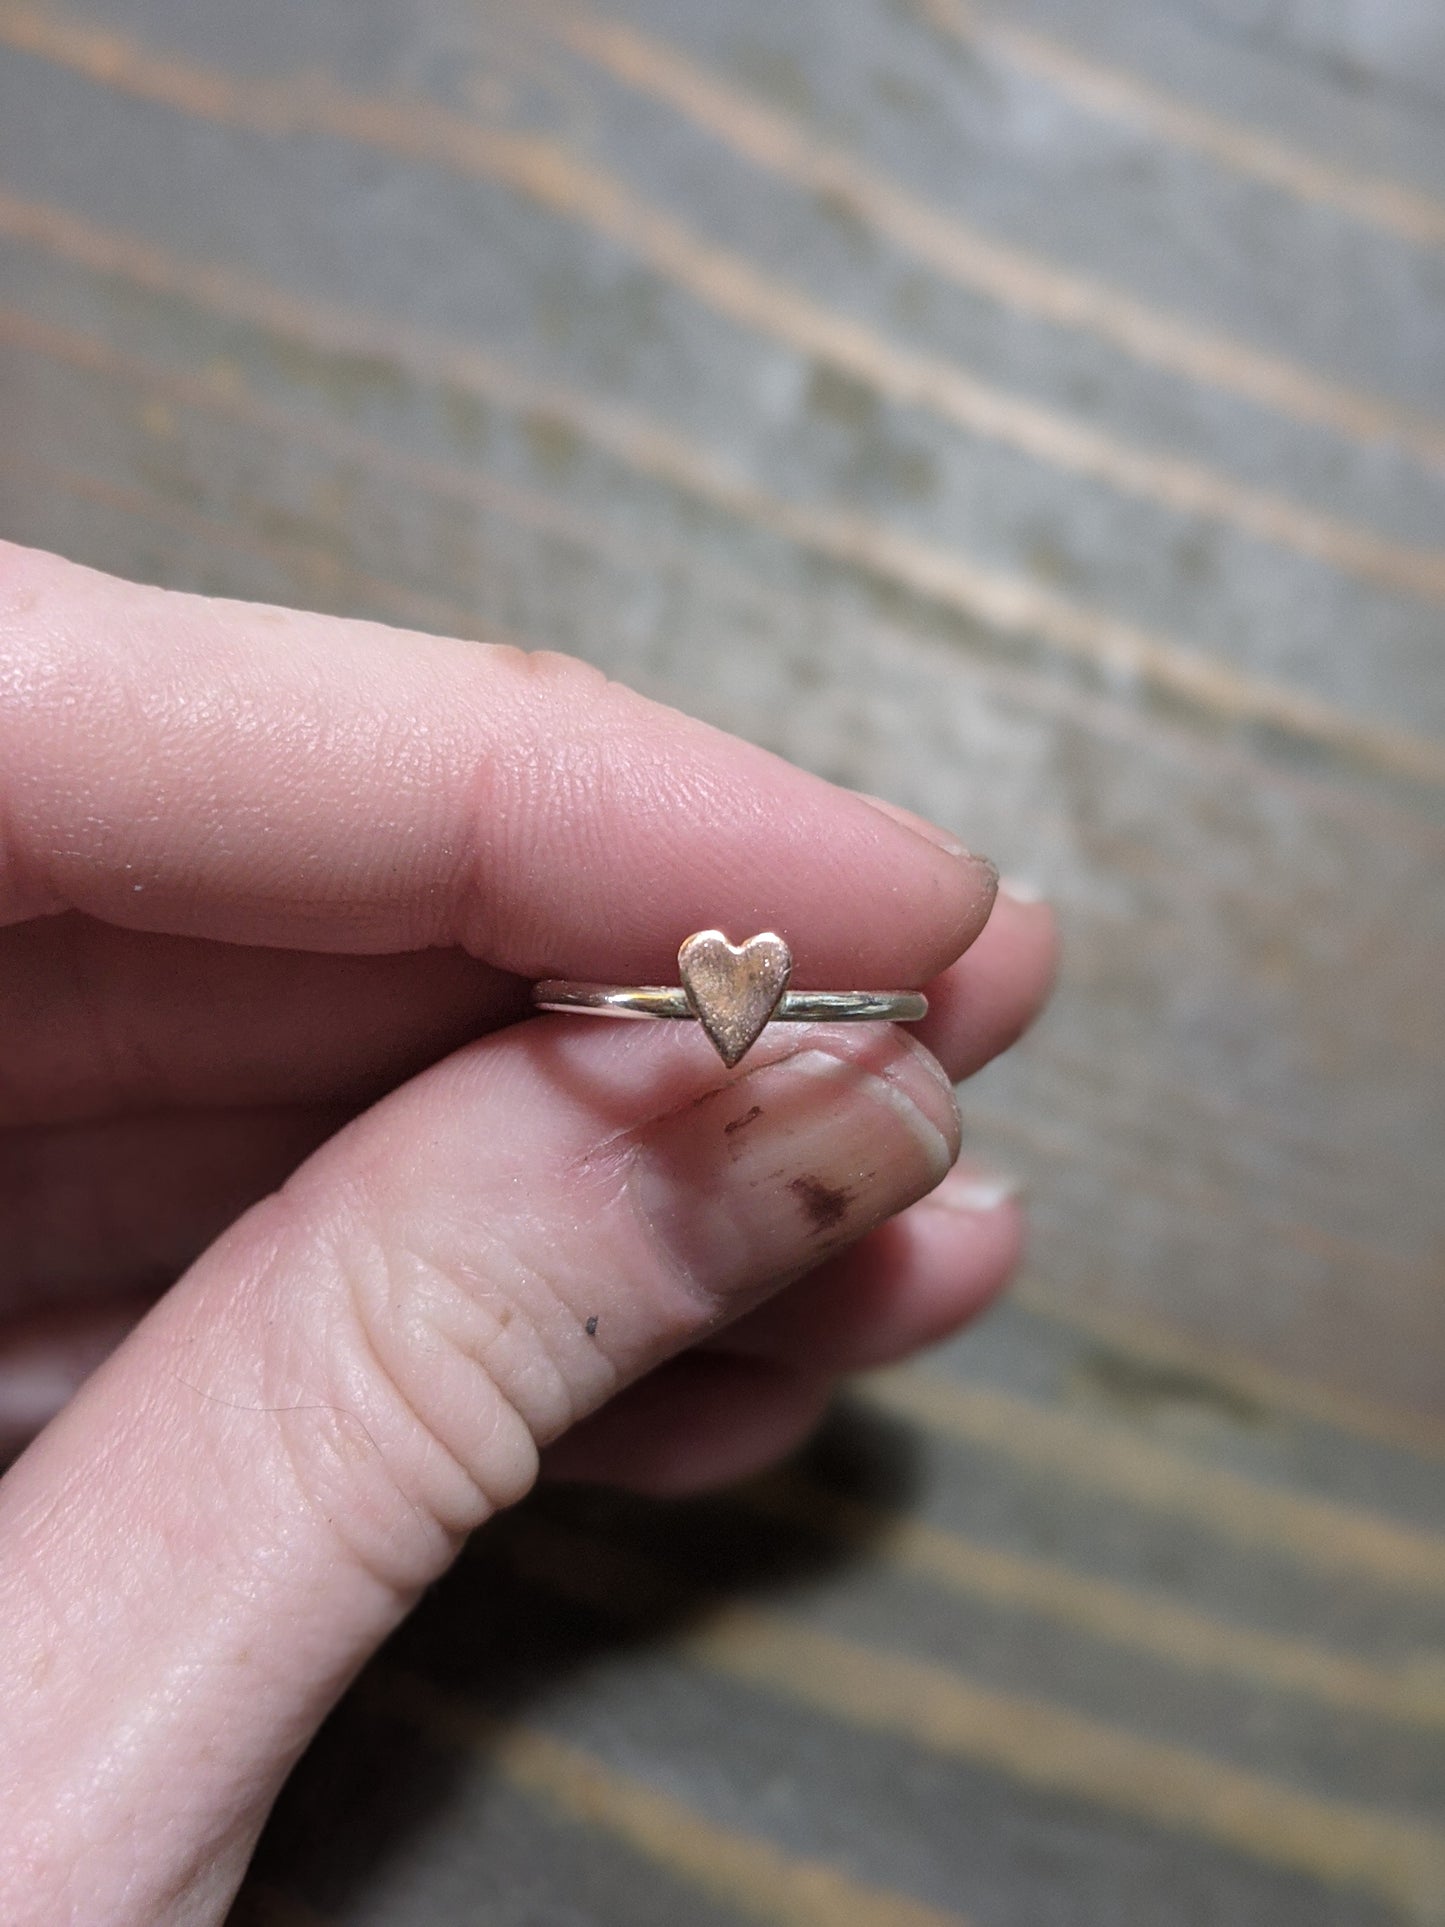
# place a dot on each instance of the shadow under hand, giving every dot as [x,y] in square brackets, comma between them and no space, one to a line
[575,1578]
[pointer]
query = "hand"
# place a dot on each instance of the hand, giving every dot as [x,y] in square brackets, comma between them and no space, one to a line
[272,887]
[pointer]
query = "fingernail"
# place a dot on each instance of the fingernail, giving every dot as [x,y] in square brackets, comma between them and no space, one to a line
[929,1065]
[1020,890]
[920,826]
[764,1177]
[974,1190]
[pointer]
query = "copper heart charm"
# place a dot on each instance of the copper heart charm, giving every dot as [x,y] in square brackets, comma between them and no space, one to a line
[734,988]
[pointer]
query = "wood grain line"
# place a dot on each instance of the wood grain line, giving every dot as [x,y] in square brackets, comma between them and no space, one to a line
[1113,93]
[1012,607]
[1321,1535]
[317,569]
[1154,1343]
[742,1870]
[1034,1743]
[969,257]
[221,390]
[1124,1616]
[1205,1196]
[727,283]
[1055,1751]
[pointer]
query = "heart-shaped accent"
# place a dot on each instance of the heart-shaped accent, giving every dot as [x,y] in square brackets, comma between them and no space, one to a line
[734,988]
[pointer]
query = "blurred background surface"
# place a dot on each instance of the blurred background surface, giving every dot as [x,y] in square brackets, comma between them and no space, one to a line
[1033,413]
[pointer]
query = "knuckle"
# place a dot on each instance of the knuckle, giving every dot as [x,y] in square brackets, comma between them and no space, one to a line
[449,1361]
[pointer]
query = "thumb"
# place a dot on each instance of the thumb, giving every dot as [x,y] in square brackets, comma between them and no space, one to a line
[206,1545]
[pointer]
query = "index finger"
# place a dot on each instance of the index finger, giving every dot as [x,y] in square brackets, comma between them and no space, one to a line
[264,776]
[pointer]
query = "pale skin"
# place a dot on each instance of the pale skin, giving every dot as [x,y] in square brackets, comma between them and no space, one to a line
[362,1244]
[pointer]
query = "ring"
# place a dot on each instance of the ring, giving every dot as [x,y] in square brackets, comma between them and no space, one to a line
[733,991]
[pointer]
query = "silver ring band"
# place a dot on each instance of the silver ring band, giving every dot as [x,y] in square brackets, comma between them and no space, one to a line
[795,1007]
[734,991]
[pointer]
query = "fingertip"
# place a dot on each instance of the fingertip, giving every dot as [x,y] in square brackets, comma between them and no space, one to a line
[974,1227]
[984,1002]
[957,1250]
[1027,917]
